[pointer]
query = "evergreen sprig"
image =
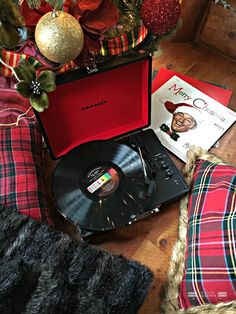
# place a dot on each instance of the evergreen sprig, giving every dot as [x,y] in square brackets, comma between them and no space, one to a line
[55,4]
[34,4]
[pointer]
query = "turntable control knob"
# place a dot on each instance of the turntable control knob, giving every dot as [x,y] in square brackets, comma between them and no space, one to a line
[164,165]
[169,173]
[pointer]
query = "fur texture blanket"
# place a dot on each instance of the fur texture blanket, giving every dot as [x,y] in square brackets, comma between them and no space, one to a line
[45,271]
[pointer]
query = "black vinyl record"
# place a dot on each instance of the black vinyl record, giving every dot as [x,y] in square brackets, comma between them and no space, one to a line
[100,185]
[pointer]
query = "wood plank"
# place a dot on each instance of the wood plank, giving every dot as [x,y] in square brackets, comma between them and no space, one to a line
[192,14]
[218,33]
[150,255]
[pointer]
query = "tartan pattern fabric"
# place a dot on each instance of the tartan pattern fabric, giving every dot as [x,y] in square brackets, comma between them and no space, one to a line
[117,45]
[12,59]
[21,171]
[210,257]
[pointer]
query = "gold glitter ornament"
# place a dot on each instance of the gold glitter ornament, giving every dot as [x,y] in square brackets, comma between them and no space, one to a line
[59,36]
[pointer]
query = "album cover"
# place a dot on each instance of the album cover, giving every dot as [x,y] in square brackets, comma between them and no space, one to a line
[183,116]
[220,93]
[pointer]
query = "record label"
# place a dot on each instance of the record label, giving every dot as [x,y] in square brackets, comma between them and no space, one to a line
[104,181]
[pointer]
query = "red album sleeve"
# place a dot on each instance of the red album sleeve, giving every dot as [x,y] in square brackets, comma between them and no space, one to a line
[220,94]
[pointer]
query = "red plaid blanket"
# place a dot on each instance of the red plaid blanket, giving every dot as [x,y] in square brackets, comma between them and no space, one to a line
[21,171]
[210,260]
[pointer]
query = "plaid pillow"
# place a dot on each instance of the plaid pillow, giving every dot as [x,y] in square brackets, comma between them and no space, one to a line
[210,257]
[21,171]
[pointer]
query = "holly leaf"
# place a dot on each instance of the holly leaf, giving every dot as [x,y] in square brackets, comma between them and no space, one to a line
[47,81]
[23,89]
[39,102]
[25,71]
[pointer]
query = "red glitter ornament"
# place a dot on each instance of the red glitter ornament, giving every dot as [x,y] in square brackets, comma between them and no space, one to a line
[160,16]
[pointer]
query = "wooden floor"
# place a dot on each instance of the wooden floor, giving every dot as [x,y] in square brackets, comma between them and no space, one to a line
[150,240]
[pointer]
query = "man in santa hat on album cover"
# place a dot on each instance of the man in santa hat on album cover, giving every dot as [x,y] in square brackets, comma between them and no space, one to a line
[184,118]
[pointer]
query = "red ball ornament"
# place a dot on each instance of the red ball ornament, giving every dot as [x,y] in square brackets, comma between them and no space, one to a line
[160,16]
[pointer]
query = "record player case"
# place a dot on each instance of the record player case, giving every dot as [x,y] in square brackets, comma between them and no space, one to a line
[111,101]
[105,102]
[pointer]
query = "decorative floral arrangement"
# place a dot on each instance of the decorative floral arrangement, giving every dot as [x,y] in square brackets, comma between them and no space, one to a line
[58,35]
[33,85]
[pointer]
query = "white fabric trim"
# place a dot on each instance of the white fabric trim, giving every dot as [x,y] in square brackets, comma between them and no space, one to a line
[193,112]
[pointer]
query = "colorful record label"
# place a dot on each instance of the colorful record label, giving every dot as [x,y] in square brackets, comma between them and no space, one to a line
[104,181]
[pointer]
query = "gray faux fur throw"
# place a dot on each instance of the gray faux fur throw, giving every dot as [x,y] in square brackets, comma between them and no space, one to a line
[45,271]
[176,269]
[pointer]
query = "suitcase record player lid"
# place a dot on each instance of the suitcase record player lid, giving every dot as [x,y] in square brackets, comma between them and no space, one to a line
[107,103]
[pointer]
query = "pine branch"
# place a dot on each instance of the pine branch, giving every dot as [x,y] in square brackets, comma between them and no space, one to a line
[34,4]
[55,4]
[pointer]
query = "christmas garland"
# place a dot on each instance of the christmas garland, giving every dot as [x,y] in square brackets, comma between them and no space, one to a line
[57,35]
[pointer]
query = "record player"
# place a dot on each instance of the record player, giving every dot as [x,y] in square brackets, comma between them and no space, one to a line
[112,169]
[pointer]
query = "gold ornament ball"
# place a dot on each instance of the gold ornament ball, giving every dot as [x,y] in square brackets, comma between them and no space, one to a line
[59,36]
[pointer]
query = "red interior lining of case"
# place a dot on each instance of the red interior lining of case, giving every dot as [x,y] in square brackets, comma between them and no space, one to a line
[101,106]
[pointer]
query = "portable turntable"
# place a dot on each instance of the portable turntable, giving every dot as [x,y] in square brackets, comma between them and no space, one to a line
[112,168]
